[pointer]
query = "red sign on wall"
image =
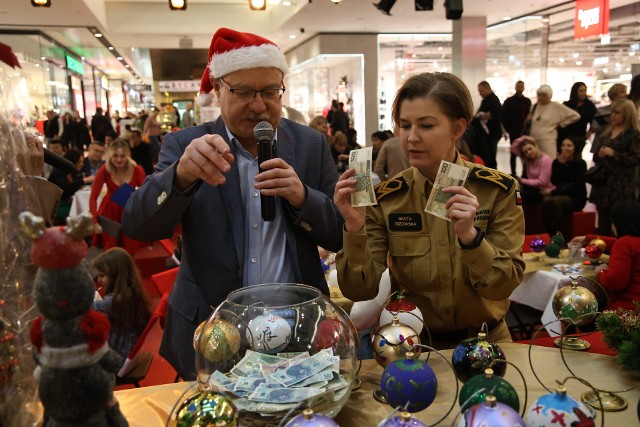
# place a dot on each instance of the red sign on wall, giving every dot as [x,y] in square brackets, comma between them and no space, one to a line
[591,19]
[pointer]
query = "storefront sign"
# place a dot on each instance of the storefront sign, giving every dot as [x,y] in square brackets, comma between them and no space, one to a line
[141,88]
[179,86]
[591,18]
[74,65]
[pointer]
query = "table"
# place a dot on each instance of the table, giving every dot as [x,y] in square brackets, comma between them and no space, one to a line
[80,200]
[150,406]
[541,282]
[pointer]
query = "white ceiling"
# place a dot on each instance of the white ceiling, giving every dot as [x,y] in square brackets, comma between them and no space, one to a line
[134,26]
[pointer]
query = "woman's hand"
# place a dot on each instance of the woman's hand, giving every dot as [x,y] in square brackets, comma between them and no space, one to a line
[97,228]
[545,191]
[461,209]
[606,152]
[354,218]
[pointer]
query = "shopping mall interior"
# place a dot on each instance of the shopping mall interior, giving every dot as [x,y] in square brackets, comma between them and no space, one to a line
[129,55]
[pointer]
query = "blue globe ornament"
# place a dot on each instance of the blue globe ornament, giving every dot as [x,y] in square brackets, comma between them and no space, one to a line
[490,384]
[494,414]
[473,355]
[537,245]
[409,383]
[559,409]
[310,419]
[404,419]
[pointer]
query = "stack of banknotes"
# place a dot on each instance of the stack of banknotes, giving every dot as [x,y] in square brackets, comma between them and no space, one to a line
[267,384]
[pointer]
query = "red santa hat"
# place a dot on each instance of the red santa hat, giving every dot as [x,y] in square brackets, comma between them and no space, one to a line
[231,51]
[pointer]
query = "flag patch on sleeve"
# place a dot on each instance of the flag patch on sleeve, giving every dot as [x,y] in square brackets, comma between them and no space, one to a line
[518,199]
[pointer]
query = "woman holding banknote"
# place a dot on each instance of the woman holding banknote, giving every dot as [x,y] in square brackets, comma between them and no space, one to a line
[460,263]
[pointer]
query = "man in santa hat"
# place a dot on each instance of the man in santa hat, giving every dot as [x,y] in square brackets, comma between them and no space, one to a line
[207,179]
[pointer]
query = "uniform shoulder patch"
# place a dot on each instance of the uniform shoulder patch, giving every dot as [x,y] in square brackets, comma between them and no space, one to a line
[390,186]
[502,180]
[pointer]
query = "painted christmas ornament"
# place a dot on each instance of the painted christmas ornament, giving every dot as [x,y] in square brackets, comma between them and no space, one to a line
[268,333]
[492,414]
[409,383]
[592,251]
[404,419]
[406,312]
[499,387]
[473,355]
[559,409]
[219,341]
[391,342]
[599,243]
[576,303]
[309,419]
[537,245]
[558,239]
[204,409]
[552,250]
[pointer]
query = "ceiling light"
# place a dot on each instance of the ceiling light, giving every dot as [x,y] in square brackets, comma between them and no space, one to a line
[385,6]
[257,4]
[119,58]
[41,3]
[42,58]
[420,5]
[98,35]
[453,9]
[110,47]
[178,4]
[292,36]
[286,3]
[126,65]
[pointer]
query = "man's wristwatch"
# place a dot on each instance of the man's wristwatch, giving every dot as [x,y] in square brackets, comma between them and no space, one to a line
[476,242]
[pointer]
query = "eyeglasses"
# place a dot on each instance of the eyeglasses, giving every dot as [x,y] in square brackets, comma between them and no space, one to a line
[268,94]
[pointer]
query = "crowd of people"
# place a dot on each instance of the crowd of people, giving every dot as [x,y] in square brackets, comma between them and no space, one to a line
[208,180]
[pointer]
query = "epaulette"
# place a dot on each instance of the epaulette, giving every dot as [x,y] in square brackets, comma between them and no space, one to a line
[498,178]
[390,186]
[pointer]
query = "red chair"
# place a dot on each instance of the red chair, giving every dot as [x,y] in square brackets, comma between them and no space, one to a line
[164,281]
[530,237]
[136,367]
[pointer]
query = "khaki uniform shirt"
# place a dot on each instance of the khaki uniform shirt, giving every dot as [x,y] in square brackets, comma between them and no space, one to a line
[454,288]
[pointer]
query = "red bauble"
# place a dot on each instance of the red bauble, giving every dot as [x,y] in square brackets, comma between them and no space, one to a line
[593,251]
[56,250]
[331,334]
[401,304]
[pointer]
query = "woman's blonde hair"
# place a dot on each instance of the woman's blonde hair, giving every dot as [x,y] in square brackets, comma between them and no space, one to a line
[115,145]
[316,121]
[529,140]
[628,109]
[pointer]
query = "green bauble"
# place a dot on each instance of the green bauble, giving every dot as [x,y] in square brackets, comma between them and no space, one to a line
[558,238]
[492,384]
[206,408]
[552,250]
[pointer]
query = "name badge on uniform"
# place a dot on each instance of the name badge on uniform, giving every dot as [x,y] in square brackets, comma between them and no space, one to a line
[405,222]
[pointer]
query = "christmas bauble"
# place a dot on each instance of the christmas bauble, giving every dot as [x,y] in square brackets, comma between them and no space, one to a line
[406,312]
[404,419]
[492,414]
[537,245]
[552,250]
[268,333]
[558,239]
[473,355]
[205,409]
[592,251]
[559,409]
[220,340]
[331,334]
[391,342]
[576,303]
[409,383]
[498,387]
[309,419]
[599,243]
[365,313]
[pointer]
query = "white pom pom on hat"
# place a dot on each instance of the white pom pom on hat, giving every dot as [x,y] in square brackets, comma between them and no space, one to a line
[231,51]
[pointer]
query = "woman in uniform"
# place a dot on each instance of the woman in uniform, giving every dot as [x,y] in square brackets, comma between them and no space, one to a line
[461,271]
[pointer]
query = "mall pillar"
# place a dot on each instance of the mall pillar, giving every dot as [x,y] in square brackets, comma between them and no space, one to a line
[469,52]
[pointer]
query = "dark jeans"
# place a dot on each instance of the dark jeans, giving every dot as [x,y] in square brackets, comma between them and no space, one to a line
[554,210]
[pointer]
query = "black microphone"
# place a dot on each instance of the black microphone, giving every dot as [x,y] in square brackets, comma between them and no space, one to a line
[58,162]
[264,134]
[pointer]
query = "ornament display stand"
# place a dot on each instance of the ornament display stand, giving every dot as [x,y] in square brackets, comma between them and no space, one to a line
[602,400]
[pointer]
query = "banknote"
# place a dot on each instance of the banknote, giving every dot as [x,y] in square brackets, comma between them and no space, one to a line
[303,370]
[248,383]
[283,394]
[325,376]
[360,160]
[449,174]
[251,362]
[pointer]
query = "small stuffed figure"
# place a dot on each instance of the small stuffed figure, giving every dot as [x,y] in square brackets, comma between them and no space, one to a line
[77,368]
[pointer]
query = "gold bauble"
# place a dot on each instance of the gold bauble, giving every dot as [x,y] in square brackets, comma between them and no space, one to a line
[576,303]
[393,341]
[206,409]
[220,340]
[599,243]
